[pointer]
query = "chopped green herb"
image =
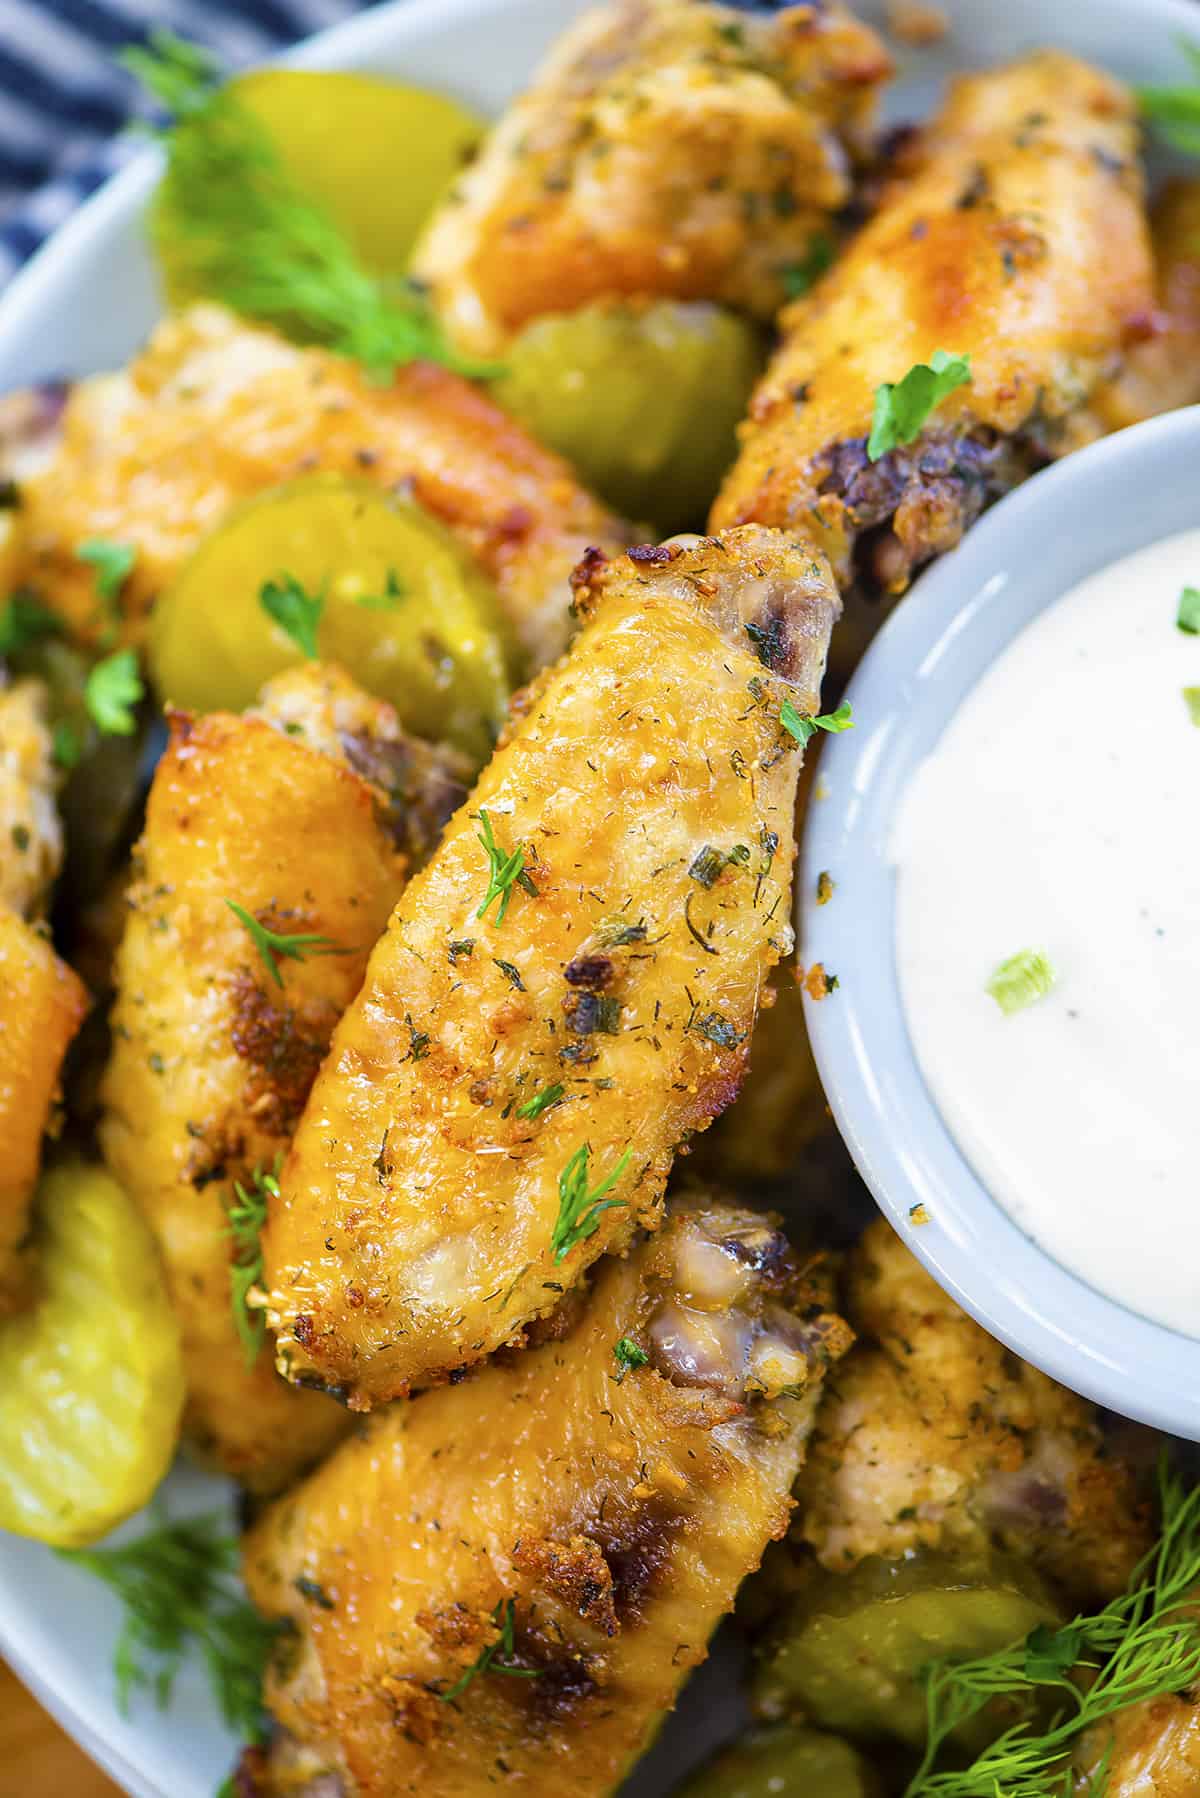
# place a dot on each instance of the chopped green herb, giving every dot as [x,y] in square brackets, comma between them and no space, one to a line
[270,943]
[511,973]
[314,1591]
[1021,980]
[1187,618]
[798,277]
[1142,1646]
[505,872]
[178,1586]
[802,727]
[490,1660]
[112,690]
[418,1040]
[902,407]
[719,1030]
[66,747]
[629,1356]
[25,620]
[239,230]
[387,601]
[578,1208]
[615,933]
[588,1013]
[824,887]
[246,1213]
[541,1101]
[113,563]
[1175,111]
[1191,699]
[295,611]
[461,951]
[709,863]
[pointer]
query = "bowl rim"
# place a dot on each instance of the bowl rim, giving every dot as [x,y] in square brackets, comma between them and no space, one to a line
[929,653]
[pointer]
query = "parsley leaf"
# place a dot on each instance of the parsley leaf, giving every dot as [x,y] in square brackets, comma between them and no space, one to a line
[1187,618]
[247,1214]
[629,1355]
[902,407]
[394,590]
[113,563]
[802,727]
[490,1660]
[177,1584]
[112,689]
[578,1208]
[1176,110]
[505,872]
[1021,980]
[533,1108]
[25,620]
[294,610]
[798,277]
[270,943]
[238,229]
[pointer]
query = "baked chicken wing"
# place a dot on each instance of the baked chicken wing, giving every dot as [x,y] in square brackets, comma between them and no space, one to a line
[1149,1750]
[517,1572]
[1012,233]
[1164,371]
[291,815]
[31,837]
[669,148]
[932,1435]
[568,989]
[213,412]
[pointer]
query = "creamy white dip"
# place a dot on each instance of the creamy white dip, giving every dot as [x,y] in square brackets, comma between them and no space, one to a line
[1060,813]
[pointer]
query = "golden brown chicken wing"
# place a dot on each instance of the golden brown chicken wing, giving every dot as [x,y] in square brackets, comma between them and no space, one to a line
[519,1571]
[1012,233]
[568,989]
[287,814]
[1149,1750]
[31,838]
[1164,371]
[666,148]
[932,1435]
[42,1004]
[212,412]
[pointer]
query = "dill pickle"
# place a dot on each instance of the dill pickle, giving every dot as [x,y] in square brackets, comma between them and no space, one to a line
[848,1652]
[377,155]
[785,1762]
[92,1376]
[404,610]
[643,400]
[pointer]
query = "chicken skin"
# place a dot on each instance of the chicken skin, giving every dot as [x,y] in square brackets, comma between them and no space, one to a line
[212,1057]
[519,1571]
[1013,233]
[213,412]
[667,148]
[1164,371]
[1149,1750]
[503,1101]
[932,1435]
[31,837]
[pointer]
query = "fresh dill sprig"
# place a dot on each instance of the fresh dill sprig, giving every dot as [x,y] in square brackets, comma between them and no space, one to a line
[270,943]
[236,228]
[177,1586]
[578,1208]
[504,872]
[1143,1645]
[247,1214]
[497,1658]
[541,1101]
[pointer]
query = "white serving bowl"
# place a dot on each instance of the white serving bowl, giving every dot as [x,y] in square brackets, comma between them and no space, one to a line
[1068,522]
[85,303]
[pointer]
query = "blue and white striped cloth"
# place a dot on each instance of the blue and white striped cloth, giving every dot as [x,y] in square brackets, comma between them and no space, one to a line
[64,101]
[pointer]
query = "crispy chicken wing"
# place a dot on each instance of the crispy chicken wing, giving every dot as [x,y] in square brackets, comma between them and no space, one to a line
[526,1047]
[1150,1750]
[934,1435]
[212,412]
[42,1004]
[1013,232]
[1164,371]
[667,147]
[31,838]
[289,814]
[569,1525]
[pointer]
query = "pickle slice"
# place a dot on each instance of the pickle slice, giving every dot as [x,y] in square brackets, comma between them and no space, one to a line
[92,1377]
[848,1653]
[785,1762]
[404,610]
[377,155]
[644,401]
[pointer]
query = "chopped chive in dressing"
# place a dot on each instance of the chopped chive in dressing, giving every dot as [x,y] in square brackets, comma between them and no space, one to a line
[1022,980]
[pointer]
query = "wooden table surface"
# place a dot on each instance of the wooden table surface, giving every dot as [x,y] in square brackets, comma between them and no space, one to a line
[36,1758]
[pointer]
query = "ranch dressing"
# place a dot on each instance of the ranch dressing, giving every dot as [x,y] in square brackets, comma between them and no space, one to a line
[1060,813]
